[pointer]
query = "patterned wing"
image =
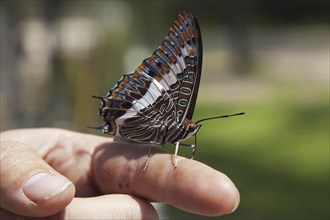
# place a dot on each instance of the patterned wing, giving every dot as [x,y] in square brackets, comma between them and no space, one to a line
[177,64]
[161,92]
[137,109]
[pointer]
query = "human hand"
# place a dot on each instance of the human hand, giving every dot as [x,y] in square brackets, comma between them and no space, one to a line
[69,175]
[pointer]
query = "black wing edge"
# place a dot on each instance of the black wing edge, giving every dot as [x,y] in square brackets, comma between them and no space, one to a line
[199,65]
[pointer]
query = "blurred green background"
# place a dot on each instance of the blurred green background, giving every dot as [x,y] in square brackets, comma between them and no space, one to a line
[269,59]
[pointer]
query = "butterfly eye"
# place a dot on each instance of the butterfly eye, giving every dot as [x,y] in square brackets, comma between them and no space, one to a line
[192,128]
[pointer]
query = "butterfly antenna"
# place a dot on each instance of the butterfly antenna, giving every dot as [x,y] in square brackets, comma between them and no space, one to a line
[222,116]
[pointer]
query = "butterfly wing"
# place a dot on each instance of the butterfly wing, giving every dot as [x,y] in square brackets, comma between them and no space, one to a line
[177,64]
[193,57]
[161,92]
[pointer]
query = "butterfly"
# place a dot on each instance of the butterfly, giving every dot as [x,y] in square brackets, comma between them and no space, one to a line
[155,103]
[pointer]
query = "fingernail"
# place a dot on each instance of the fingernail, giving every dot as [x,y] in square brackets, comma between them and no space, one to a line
[43,186]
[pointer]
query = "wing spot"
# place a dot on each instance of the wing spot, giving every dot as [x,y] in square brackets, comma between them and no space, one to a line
[183,102]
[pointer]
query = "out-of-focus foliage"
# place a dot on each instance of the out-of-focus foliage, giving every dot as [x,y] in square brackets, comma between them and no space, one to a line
[267,58]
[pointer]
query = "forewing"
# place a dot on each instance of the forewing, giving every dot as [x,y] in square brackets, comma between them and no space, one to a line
[177,64]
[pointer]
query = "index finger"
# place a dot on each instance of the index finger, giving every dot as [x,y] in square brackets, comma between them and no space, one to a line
[191,186]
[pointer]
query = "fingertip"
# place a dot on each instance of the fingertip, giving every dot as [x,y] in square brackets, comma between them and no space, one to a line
[29,186]
[200,189]
[44,186]
[53,204]
[228,197]
[49,193]
[219,193]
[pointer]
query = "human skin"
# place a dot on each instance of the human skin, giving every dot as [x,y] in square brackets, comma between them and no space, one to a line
[94,177]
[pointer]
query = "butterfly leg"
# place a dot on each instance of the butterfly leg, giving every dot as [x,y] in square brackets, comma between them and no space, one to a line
[148,159]
[192,146]
[176,154]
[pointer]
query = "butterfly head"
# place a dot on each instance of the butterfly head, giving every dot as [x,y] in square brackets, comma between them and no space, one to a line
[191,129]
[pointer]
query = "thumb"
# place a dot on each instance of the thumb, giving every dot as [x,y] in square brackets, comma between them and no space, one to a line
[29,186]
